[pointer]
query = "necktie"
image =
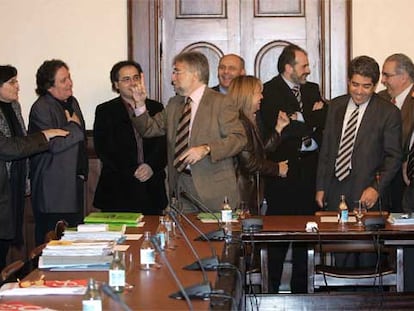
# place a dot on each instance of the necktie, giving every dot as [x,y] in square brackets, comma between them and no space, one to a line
[410,164]
[343,160]
[393,100]
[182,135]
[296,92]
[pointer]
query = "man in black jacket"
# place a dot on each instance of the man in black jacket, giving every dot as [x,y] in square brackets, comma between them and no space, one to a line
[293,195]
[133,176]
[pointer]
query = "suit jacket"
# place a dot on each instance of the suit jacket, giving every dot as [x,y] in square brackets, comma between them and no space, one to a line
[116,147]
[377,148]
[294,194]
[53,174]
[407,113]
[278,96]
[14,148]
[217,124]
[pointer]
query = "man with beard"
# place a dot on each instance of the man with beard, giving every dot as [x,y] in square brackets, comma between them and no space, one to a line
[203,134]
[301,139]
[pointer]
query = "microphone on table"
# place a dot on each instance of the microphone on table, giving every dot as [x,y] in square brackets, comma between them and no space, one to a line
[209,263]
[197,291]
[114,296]
[376,223]
[217,235]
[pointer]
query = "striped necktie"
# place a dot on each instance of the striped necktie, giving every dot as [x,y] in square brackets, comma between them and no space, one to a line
[410,163]
[343,160]
[298,95]
[182,135]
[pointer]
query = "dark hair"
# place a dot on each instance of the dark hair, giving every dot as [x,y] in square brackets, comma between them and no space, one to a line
[114,76]
[364,66]
[45,76]
[6,73]
[197,62]
[288,57]
[403,63]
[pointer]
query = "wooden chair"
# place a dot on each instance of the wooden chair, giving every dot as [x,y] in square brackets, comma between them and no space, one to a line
[10,270]
[328,275]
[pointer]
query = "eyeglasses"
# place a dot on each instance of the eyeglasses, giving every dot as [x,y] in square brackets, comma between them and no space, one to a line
[178,72]
[128,79]
[389,75]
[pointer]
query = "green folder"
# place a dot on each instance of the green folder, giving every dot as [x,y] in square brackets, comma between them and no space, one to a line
[113,218]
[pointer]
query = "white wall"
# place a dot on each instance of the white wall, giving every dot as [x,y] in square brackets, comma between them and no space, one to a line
[381,28]
[89,35]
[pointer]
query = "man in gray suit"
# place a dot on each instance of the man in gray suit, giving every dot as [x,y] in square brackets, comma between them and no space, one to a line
[377,142]
[57,176]
[398,78]
[362,140]
[204,166]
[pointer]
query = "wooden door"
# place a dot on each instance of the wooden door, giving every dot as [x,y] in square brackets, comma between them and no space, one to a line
[257,30]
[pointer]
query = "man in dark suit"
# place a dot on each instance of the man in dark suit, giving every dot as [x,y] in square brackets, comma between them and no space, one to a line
[377,142]
[230,66]
[398,78]
[204,165]
[132,178]
[408,207]
[294,195]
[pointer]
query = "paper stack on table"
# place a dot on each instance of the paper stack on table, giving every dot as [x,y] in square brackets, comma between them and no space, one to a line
[77,254]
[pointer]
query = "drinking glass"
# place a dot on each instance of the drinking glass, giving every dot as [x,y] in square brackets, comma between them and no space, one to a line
[359,212]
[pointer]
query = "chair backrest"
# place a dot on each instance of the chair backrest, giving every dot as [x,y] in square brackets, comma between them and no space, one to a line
[11,269]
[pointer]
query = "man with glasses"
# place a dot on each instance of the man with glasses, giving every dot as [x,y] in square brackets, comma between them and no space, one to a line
[133,168]
[398,78]
[203,134]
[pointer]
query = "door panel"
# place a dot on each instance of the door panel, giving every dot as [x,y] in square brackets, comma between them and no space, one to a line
[255,29]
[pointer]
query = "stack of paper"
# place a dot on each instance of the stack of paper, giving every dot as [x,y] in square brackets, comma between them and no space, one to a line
[64,254]
[400,219]
[116,236]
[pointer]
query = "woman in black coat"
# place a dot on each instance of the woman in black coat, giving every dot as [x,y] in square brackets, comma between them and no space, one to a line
[15,146]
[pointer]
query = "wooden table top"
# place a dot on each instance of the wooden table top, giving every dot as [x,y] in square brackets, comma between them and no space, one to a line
[150,288]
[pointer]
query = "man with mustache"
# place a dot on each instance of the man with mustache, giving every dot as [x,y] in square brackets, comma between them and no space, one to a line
[294,194]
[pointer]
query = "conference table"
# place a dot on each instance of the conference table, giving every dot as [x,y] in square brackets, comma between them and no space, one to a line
[150,290]
[279,229]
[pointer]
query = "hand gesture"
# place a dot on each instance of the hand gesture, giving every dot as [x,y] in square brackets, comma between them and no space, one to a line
[369,197]
[50,133]
[139,92]
[283,168]
[282,121]
[194,154]
[143,172]
[317,105]
[72,118]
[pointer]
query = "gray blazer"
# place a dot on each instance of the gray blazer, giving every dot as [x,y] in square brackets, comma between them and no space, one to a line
[53,173]
[217,124]
[377,148]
